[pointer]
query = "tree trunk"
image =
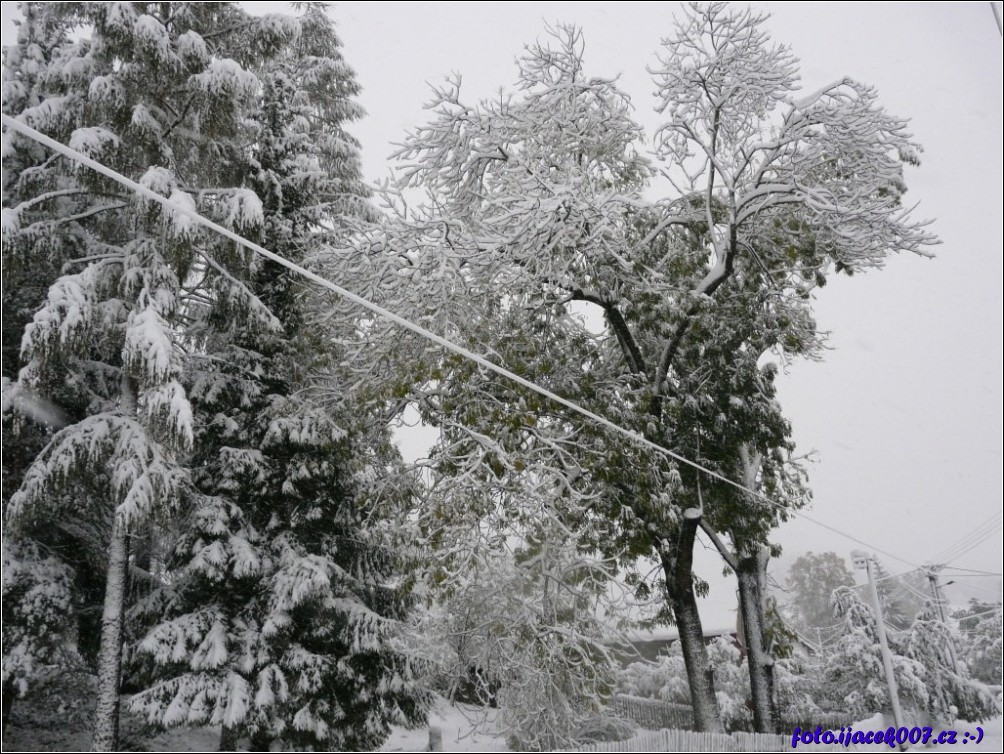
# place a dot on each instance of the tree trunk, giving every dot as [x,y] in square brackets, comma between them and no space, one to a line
[680,584]
[9,693]
[261,741]
[106,719]
[762,556]
[228,739]
[751,575]
[759,662]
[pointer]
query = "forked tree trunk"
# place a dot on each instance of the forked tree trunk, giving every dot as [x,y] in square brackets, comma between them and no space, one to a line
[106,720]
[680,584]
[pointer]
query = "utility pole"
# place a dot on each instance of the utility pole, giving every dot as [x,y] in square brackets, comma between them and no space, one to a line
[931,572]
[864,560]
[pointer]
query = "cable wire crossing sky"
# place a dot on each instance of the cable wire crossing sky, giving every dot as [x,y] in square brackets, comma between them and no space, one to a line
[382,312]
[904,413]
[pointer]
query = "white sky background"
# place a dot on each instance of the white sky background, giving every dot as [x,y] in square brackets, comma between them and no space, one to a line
[906,410]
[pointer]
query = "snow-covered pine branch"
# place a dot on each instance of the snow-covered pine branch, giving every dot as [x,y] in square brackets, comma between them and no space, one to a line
[182,362]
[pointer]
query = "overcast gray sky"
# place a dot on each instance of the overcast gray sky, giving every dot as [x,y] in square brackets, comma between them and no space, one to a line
[905,411]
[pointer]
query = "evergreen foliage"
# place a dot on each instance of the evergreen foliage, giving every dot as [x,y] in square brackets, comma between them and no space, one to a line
[37,637]
[981,639]
[851,677]
[272,597]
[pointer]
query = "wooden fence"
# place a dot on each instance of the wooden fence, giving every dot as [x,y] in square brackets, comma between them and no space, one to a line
[688,740]
[654,714]
[651,713]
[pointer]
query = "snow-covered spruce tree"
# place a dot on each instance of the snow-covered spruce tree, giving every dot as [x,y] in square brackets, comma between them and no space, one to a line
[152,90]
[283,615]
[283,610]
[848,678]
[951,693]
[851,679]
[37,628]
[34,250]
[981,639]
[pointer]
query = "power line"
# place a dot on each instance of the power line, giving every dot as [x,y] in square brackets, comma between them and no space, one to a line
[972,587]
[901,586]
[948,553]
[953,551]
[977,542]
[972,571]
[917,593]
[888,578]
[982,575]
[844,534]
[899,576]
[366,304]
[905,585]
[977,615]
[449,345]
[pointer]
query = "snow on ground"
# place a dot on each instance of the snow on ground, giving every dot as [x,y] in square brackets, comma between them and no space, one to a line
[459,726]
[464,728]
[186,739]
[993,736]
